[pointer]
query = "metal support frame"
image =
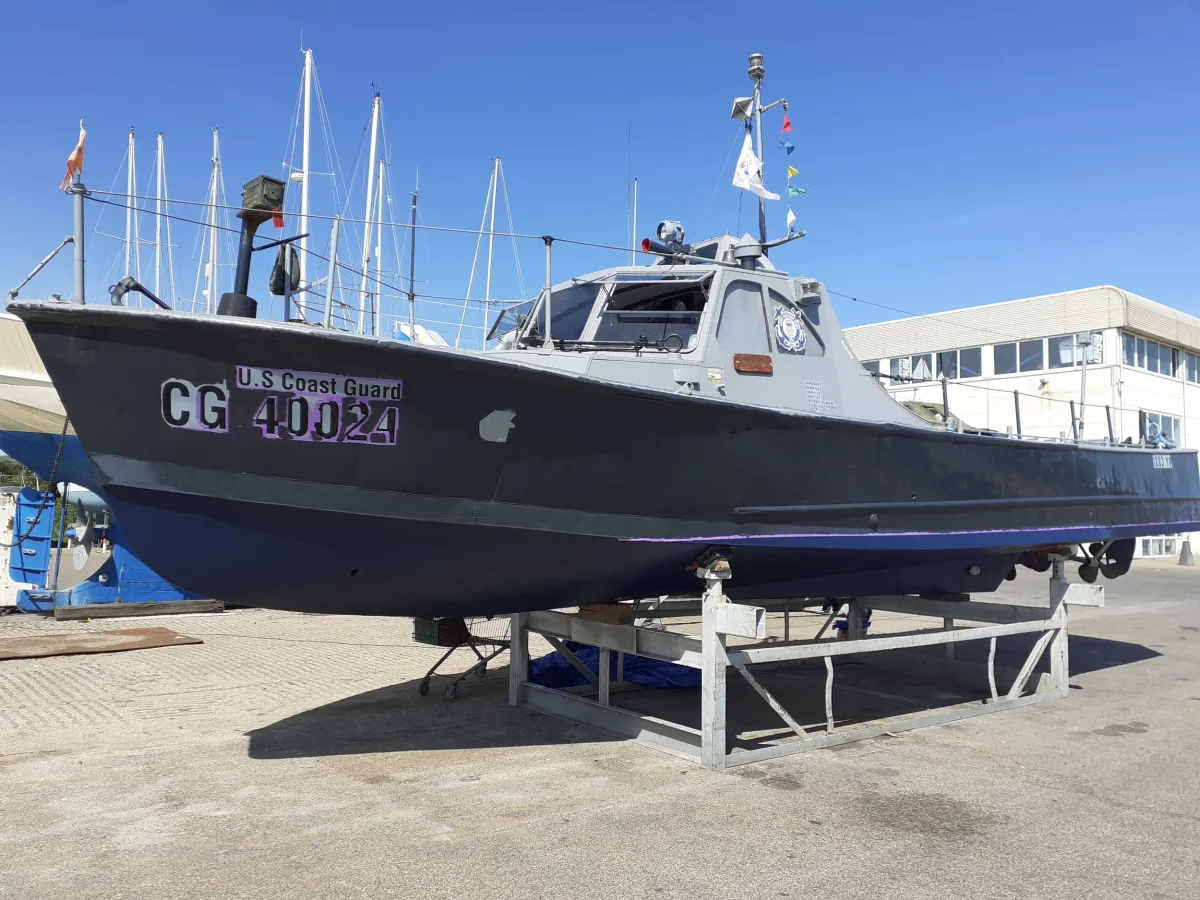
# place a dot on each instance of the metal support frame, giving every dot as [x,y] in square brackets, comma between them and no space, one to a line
[711,744]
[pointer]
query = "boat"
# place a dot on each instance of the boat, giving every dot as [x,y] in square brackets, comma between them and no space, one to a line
[626,424]
[33,424]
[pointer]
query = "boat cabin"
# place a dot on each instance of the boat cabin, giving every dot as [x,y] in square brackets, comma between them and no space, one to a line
[717,321]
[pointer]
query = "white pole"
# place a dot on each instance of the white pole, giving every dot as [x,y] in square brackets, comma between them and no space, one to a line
[211,300]
[129,204]
[137,238]
[304,161]
[333,248]
[378,309]
[167,224]
[487,290]
[158,211]
[366,257]
[633,243]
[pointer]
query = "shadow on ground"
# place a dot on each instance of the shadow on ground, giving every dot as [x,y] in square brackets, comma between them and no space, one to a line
[397,718]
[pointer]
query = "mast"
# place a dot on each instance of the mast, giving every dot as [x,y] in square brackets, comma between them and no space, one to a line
[378,309]
[376,106]
[756,73]
[129,194]
[487,290]
[475,259]
[304,168]
[158,215]
[412,260]
[209,301]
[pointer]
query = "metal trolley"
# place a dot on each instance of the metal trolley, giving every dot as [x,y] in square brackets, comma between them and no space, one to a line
[456,633]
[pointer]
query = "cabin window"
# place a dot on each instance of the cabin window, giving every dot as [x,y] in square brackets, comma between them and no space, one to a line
[872,366]
[1032,357]
[970,362]
[1005,358]
[666,310]
[743,326]
[570,310]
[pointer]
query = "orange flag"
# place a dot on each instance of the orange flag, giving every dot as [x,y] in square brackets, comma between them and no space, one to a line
[74,161]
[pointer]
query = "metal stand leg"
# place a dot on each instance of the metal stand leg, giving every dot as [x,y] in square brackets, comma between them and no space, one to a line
[1060,671]
[518,658]
[714,665]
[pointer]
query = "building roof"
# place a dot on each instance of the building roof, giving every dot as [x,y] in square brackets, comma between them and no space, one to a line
[1087,309]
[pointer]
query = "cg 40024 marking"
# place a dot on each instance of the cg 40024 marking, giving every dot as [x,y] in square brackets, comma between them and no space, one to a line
[304,406]
[324,407]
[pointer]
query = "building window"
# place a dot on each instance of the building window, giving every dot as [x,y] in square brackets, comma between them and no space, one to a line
[1031,355]
[1005,356]
[1062,351]
[922,367]
[1159,546]
[970,362]
[1151,356]
[1167,426]
[897,367]
[1192,362]
[947,364]
[872,366]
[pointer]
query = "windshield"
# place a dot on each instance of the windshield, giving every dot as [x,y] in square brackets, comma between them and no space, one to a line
[653,311]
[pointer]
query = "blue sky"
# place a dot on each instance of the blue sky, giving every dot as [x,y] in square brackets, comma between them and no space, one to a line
[953,153]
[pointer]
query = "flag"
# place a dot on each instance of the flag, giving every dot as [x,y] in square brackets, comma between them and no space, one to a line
[794,191]
[747,174]
[791,221]
[786,146]
[74,161]
[792,171]
[787,123]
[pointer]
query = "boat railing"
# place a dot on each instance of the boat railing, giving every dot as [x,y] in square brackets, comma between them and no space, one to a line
[957,406]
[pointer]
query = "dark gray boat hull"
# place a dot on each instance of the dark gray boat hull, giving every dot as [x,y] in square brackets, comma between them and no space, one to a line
[495,487]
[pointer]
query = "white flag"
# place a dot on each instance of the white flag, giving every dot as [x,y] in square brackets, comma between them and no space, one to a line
[747,175]
[791,220]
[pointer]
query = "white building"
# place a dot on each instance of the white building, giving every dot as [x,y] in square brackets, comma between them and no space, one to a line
[1142,371]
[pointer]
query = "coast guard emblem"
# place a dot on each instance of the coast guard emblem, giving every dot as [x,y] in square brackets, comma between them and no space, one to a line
[789,330]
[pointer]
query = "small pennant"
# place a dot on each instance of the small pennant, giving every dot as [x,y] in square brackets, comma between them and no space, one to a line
[792,171]
[277,218]
[787,123]
[795,191]
[787,146]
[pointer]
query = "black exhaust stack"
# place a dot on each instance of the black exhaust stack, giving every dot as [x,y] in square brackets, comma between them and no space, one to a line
[261,199]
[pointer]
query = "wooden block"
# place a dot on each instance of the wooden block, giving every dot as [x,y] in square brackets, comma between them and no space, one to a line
[608,613]
[153,608]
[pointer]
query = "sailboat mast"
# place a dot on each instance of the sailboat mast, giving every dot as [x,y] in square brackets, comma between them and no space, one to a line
[378,308]
[487,289]
[756,73]
[129,181]
[366,257]
[304,168]
[210,299]
[412,260]
[158,215]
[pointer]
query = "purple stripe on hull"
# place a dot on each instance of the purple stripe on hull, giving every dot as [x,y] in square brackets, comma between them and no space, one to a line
[938,540]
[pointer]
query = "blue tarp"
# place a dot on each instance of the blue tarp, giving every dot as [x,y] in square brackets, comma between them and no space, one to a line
[554,671]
